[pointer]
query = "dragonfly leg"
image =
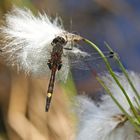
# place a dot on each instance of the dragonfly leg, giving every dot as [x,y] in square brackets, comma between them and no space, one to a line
[49,65]
[59,66]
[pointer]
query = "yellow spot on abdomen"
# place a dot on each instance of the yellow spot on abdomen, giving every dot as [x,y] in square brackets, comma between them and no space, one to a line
[49,95]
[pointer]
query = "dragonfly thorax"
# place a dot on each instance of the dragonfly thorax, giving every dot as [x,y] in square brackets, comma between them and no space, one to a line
[55,61]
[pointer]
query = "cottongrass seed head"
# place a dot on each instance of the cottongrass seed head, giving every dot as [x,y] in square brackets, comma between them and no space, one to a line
[28,40]
[105,121]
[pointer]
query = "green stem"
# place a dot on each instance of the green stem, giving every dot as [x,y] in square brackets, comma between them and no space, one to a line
[110,94]
[124,71]
[118,104]
[114,77]
[137,103]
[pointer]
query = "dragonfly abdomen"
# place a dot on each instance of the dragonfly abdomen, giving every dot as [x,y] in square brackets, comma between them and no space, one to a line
[50,89]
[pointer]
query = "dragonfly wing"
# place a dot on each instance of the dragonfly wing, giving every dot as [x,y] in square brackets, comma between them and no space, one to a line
[83,60]
[64,71]
[75,58]
[75,53]
[67,54]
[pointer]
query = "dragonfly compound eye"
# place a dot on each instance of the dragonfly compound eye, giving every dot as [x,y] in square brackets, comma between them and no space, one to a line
[60,40]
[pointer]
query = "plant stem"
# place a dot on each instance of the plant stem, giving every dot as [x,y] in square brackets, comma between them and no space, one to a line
[124,71]
[114,77]
[118,104]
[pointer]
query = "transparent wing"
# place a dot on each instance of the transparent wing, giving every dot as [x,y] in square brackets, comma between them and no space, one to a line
[75,59]
[62,74]
[78,59]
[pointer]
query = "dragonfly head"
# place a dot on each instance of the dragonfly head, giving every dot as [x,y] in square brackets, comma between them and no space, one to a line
[59,40]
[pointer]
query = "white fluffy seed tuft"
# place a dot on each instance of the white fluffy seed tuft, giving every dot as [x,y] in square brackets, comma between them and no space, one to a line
[28,42]
[105,121]
[28,39]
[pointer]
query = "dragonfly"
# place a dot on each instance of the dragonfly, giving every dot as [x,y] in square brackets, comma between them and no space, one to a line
[55,62]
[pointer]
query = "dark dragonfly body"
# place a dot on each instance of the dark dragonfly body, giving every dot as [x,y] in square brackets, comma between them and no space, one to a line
[54,64]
